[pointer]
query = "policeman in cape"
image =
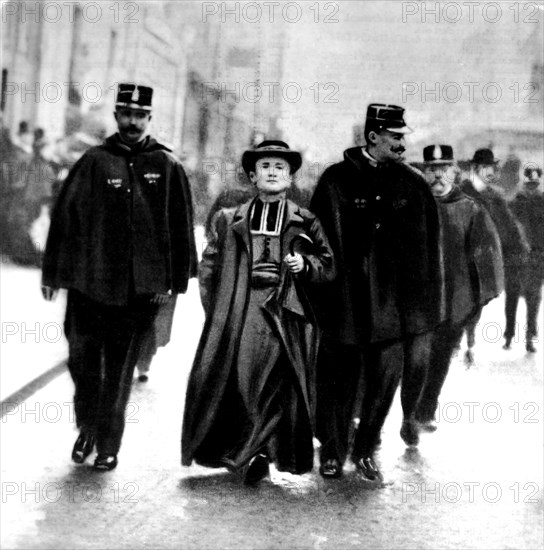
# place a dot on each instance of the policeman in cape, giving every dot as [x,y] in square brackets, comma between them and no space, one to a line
[121,242]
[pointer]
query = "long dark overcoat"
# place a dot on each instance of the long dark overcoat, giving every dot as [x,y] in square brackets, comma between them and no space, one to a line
[473,267]
[212,418]
[383,226]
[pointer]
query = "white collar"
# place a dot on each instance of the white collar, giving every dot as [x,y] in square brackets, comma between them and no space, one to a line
[371,160]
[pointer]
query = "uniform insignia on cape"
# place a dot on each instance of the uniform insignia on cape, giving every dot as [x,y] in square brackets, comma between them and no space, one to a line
[152,178]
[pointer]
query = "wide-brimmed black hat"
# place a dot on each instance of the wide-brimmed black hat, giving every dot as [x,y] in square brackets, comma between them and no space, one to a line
[133,96]
[484,157]
[438,154]
[271,148]
[387,117]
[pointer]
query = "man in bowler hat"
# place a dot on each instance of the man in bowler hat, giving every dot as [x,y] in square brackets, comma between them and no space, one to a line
[382,222]
[472,270]
[121,241]
[481,185]
[251,392]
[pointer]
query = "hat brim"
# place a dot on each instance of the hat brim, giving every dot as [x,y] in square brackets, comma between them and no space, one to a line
[134,106]
[249,158]
[399,130]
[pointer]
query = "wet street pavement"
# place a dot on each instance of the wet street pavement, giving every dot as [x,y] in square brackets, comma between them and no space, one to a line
[475,483]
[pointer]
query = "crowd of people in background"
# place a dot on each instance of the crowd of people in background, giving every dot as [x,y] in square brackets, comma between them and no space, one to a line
[33,169]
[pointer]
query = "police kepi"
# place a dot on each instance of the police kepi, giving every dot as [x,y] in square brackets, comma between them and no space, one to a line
[133,96]
[387,117]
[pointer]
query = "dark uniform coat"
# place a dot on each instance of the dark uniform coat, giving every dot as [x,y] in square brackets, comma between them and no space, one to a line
[122,225]
[383,227]
[211,426]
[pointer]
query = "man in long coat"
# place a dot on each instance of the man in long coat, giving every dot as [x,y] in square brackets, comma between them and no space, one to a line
[250,396]
[480,185]
[528,208]
[473,270]
[382,222]
[121,241]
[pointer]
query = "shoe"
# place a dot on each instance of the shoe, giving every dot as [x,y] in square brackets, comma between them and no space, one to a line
[368,468]
[143,378]
[409,433]
[530,347]
[469,358]
[259,468]
[331,468]
[105,462]
[83,447]
[427,425]
[507,343]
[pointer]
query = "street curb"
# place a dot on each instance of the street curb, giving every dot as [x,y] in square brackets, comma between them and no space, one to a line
[15,399]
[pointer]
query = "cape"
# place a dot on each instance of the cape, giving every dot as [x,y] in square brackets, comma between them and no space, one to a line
[122,224]
[383,226]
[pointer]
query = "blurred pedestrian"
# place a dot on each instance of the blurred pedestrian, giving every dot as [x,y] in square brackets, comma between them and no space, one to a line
[121,241]
[510,172]
[382,222]
[528,207]
[473,270]
[25,190]
[24,138]
[479,184]
[251,396]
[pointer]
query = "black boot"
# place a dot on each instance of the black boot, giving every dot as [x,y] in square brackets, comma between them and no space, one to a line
[105,462]
[83,447]
[259,468]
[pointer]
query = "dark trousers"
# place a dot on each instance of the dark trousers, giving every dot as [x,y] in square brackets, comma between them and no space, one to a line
[103,348]
[445,339]
[417,352]
[530,285]
[354,382]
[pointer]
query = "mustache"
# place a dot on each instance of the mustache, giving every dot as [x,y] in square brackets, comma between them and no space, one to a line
[398,149]
[132,128]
